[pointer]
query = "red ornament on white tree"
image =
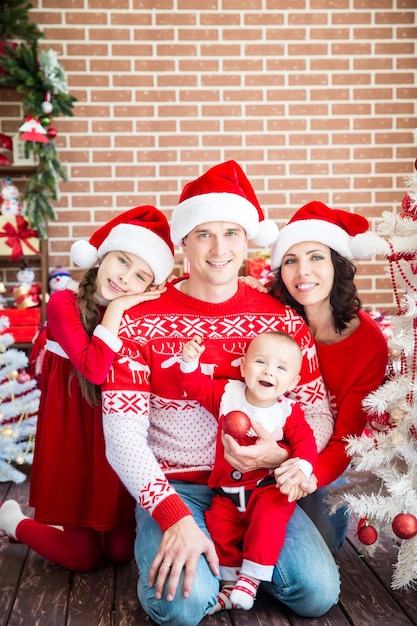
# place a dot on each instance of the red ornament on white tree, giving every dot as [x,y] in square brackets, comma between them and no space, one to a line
[367,534]
[404,525]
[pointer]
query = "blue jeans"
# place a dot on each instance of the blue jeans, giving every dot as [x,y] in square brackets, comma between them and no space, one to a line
[306,577]
[332,527]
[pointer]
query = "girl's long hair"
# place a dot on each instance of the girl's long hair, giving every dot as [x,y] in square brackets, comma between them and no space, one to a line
[344,299]
[90,318]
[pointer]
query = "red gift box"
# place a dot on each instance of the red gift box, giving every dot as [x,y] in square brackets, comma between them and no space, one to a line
[24,323]
[259,266]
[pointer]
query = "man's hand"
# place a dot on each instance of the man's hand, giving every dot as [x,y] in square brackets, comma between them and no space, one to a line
[181,546]
[263,454]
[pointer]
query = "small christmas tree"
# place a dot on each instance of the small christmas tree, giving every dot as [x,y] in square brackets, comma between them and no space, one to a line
[19,403]
[384,493]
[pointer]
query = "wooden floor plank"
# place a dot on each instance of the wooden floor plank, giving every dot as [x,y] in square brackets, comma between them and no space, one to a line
[364,598]
[92,597]
[34,591]
[12,561]
[127,609]
[381,564]
[42,594]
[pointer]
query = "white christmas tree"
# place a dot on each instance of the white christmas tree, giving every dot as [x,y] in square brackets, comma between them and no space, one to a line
[19,403]
[383,487]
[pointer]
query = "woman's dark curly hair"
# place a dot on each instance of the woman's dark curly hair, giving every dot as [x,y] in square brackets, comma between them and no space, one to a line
[344,299]
[90,318]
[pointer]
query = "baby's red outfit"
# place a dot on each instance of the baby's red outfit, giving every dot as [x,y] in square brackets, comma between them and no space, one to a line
[248,508]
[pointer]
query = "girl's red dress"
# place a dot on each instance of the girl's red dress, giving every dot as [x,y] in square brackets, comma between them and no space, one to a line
[72,483]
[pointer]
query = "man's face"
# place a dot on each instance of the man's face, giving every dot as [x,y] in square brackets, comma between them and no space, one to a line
[215,251]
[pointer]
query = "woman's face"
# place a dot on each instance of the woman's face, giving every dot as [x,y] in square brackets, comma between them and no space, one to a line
[308,273]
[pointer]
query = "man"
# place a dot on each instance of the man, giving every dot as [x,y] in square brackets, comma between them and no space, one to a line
[162,445]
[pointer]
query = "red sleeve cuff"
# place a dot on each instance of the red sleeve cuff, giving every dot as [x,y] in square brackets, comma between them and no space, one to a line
[170,511]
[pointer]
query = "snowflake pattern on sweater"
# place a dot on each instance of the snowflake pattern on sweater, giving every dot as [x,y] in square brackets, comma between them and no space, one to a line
[152,432]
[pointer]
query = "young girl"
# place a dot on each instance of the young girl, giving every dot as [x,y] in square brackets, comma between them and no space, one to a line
[72,485]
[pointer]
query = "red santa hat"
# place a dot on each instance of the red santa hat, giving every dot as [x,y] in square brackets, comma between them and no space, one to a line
[143,231]
[346,233]
[224,194]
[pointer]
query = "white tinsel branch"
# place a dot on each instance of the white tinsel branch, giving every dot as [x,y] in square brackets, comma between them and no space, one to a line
[405,569]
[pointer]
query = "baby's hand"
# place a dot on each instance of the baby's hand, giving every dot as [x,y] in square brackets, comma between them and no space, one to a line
[294,490]
[192,349]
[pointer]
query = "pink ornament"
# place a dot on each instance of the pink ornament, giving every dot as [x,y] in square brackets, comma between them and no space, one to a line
[23,377]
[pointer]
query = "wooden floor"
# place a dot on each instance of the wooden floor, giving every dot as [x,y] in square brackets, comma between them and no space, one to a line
[34,592]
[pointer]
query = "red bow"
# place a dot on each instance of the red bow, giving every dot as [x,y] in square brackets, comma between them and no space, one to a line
[15,237]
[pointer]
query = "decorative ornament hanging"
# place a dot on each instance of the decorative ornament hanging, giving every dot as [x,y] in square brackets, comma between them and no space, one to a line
[46,105]
[32,130]
[404,525]
[366,533]
[23,377]
[52,133]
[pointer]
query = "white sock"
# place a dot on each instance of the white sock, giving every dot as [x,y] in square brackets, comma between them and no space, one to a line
[10,516]
[223,600]
[244,592]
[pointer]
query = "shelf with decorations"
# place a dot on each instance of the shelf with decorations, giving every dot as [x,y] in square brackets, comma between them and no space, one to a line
[33,83]
[23,269]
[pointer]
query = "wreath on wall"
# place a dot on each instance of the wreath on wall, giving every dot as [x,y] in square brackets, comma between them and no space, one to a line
[40,78]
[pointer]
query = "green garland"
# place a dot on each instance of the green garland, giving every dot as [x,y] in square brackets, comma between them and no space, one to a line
[34,75]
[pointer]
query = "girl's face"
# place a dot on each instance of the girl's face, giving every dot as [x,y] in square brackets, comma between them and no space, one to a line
[308,273]
[121,274]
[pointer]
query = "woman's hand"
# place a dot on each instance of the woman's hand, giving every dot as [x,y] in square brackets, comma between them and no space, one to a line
[263,454]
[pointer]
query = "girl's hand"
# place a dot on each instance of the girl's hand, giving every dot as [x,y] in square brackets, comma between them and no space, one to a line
[123,303]
[116,308]
[192,349]
[252,282]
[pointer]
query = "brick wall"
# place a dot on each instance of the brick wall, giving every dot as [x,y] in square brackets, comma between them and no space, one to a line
[316,101]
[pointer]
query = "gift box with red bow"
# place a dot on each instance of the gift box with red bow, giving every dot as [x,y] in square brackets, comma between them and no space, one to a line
[27,296]
[259,266]
[16,238]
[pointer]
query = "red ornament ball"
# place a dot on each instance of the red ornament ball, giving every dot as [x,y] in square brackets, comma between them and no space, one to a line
[404,525]
[237,424]
[51,132]
[367,534]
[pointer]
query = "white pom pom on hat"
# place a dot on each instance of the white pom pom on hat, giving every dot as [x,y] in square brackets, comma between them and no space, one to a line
[224,194]
[346,233]
[143,231]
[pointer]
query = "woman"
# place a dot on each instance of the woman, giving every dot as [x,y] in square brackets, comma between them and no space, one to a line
[312,261]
